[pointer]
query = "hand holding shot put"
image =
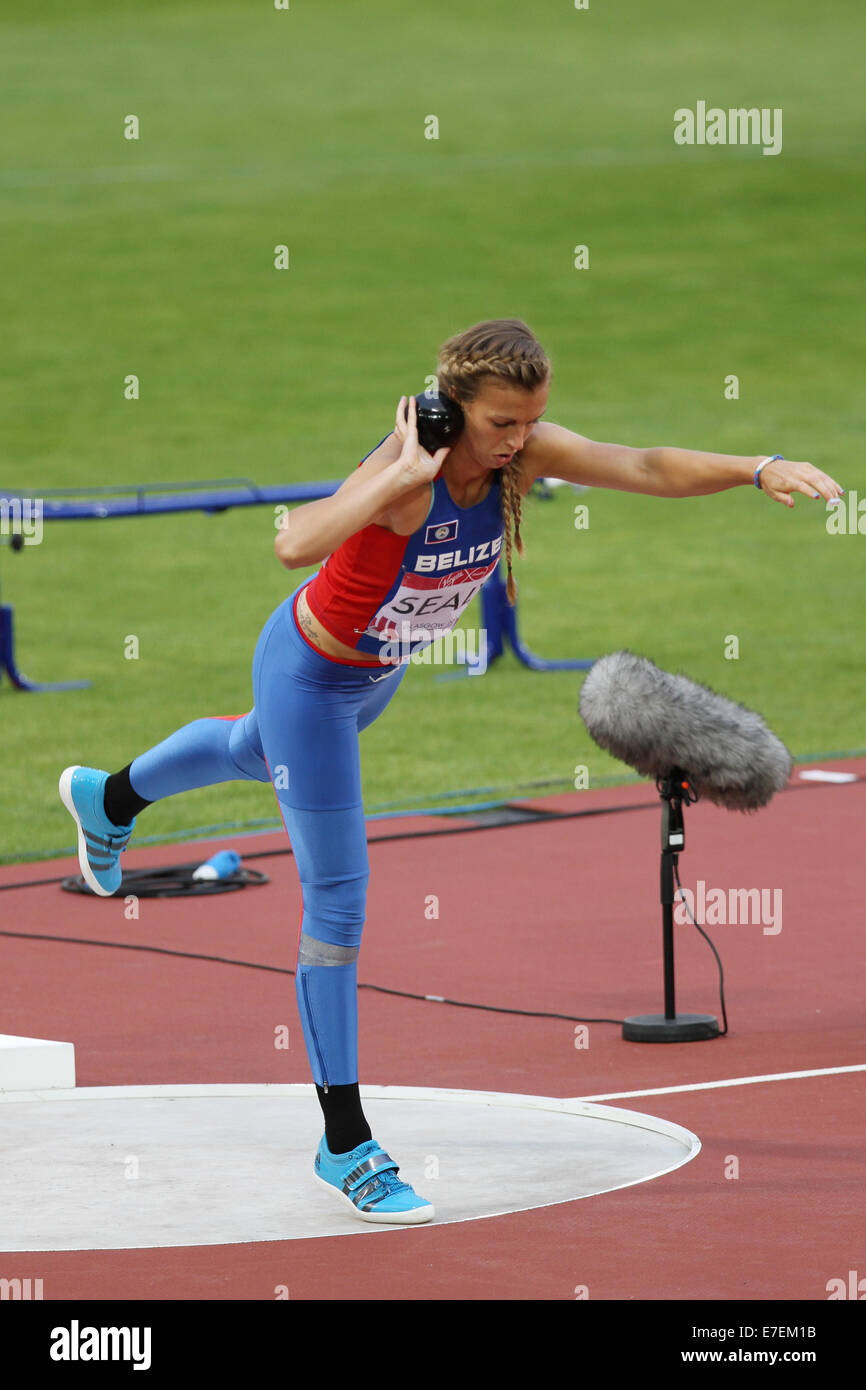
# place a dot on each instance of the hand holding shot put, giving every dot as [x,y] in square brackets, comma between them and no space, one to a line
[417,464]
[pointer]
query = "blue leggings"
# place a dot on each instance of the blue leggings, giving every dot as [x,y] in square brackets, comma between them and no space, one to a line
[302,736]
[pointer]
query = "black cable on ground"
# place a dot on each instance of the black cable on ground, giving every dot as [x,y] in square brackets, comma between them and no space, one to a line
[176,881]
[722,1031]
[283,970]
[156,879]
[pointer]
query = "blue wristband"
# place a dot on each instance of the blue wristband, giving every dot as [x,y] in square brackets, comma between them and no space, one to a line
[780,457]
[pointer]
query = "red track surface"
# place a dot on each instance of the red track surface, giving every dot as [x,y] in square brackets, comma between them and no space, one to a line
[556,916]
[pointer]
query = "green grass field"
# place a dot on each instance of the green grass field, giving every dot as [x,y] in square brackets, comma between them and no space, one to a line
[305,127]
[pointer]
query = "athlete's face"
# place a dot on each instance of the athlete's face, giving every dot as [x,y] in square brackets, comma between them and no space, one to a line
[500,420]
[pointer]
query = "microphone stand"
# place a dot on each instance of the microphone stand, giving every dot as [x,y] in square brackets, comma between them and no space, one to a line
[674,789]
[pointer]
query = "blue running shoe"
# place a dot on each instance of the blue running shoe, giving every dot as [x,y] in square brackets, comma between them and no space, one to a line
[100,841]
[365,1180]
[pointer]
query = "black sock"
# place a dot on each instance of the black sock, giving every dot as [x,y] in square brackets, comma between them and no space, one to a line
[345,1125]
[120,803]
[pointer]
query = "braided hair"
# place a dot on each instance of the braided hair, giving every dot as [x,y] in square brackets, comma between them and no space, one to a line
[507,350]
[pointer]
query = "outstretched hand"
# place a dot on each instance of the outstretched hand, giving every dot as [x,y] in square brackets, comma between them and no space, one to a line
[783,477]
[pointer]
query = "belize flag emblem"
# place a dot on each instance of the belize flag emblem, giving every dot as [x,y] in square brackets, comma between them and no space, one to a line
[441,531]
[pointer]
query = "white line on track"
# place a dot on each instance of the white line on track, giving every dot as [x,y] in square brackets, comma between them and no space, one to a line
[734,1081]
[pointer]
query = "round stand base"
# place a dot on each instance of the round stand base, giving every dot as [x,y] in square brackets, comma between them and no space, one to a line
[657,1029]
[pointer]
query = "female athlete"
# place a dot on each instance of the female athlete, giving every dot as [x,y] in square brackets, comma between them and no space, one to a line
[405,544]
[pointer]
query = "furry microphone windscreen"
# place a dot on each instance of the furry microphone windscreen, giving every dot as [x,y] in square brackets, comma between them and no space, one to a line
[655,722]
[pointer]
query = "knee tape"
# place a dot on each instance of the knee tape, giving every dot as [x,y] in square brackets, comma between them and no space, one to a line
[313,952]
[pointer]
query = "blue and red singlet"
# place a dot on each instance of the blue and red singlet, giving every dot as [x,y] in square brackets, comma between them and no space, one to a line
[388,595]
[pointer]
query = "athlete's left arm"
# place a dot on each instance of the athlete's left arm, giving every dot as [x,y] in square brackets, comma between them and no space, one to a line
[665,471]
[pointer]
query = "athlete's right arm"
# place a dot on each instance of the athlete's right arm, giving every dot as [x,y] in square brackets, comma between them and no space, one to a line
[397,468]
